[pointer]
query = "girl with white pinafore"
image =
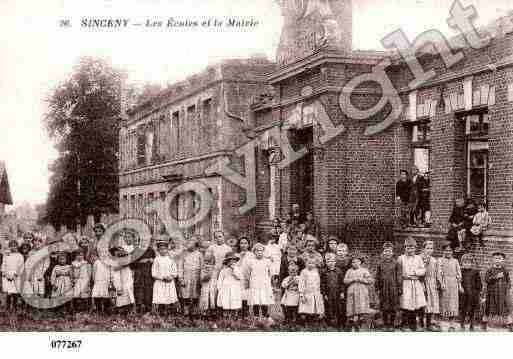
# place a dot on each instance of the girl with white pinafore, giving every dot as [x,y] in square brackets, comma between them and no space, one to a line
[258,281]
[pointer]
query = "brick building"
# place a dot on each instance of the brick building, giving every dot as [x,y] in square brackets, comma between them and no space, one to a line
[348,182]
[172,138]
[457,126]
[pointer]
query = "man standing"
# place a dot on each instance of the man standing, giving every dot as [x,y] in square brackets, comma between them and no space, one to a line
[402,193]
[423,199]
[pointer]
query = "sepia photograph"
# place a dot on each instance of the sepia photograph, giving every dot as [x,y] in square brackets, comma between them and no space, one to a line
[316,166]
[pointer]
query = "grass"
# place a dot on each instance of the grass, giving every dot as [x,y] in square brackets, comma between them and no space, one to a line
[91,322]
[48,322]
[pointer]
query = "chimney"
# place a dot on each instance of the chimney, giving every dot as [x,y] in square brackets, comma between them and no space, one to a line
[309,26]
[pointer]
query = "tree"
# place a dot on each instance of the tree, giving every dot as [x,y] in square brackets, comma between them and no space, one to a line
[83,121]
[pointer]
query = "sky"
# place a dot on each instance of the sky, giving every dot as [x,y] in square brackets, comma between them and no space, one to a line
[36,54]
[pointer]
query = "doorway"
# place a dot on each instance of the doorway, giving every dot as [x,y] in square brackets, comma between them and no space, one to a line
[302,170]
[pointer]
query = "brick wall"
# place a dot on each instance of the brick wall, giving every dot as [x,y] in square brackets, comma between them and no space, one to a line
[448,147]
[354,178]
[501,154]
[354,182]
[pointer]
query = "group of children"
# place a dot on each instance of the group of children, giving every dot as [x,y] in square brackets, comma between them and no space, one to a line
[467,223]
[425,288]
[234,279]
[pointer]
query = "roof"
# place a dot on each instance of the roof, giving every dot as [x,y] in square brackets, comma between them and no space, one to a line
[497,28]
[255,69]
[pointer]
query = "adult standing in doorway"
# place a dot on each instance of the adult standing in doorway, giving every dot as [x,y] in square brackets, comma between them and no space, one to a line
[414,196]
[402,193]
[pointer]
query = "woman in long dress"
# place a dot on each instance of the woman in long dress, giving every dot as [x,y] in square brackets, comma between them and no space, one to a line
[451,283]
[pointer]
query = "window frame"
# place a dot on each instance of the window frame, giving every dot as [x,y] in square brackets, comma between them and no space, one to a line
[477,137]
[425,142]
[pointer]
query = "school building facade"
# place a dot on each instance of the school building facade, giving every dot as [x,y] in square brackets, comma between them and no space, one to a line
[174,137]
[458,126]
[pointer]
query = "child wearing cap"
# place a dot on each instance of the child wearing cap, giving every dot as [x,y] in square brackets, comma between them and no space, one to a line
[357,281]
[164,271]
[258,282]
[333,291]
[497,290]
[229,296]
[81,282]
[189,271]
[388,285]
[451,286]
[433,285]
[472,286]
[12,268]
[413,299]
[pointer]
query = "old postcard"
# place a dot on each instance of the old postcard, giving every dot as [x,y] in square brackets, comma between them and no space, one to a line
[264,166]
